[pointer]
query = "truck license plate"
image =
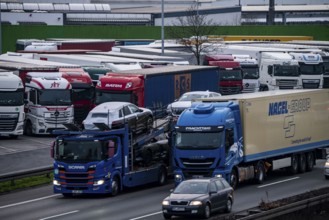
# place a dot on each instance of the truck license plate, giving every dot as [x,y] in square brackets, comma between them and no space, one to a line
[76,191]
[178,209]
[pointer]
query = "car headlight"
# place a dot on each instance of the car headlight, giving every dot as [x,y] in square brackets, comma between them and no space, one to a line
[165,202]
[196,203]
[40,122]
[98,182]
[56,183]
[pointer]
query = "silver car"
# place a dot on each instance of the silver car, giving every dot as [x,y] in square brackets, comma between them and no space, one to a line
[326,169]
[176,108]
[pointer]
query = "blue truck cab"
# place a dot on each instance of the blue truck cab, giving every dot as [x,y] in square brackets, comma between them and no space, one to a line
[206,137]
[104,162]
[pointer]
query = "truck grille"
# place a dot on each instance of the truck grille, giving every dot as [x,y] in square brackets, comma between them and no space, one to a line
[229,90]
[8,121]
[326,82]
[76,179]
[249,88]
[287,83]
[196,163]
[311,85]
[61,118]
[192,174]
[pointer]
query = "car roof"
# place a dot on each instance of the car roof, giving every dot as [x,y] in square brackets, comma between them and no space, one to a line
[199,92]
[109,106]
[203,179]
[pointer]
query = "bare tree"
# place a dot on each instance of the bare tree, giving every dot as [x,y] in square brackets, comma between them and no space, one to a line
[191,30]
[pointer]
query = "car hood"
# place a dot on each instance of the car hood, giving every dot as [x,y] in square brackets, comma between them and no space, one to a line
[89,123]
[181,104]
[189,197]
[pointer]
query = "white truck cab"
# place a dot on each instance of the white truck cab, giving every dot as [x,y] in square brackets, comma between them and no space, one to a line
[11,105]
[48,102]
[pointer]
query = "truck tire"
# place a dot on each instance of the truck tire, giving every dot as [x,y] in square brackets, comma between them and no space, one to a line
[260,174]
[115,187]
[234,179]
[309,161]
[162,178]
[302,163]
[294,165]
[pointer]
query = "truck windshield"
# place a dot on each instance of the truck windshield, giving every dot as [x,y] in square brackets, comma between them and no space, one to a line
[250,72]
[226,75]
[286,70]
[198,141]
[80,151]
[55,97]
[121,96]
[307,69]
[12,98]
[82,94]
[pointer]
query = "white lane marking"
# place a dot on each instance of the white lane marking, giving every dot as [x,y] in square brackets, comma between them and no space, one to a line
[19,151]
[278,182]
[55,216]
[28,201]
[144,216]
[7,149]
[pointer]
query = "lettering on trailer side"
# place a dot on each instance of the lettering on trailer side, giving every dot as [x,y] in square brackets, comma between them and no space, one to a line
[285,107]
[182,84]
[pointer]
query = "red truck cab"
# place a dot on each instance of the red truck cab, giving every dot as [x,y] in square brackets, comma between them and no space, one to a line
[230,73]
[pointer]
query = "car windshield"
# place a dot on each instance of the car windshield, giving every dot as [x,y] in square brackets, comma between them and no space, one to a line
[190,97]
[80,151]
[192,188]
[14,98]
[198,140]
[55,97]
[102,115]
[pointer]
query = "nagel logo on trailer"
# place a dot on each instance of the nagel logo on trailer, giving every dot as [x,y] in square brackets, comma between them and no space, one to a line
[285,107]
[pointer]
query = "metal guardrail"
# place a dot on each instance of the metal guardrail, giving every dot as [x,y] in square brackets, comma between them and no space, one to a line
[257,214]
[25,173]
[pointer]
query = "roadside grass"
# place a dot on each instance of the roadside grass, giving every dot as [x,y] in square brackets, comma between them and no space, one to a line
[26,182]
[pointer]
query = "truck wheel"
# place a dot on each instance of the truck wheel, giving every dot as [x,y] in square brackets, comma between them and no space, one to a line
[260,175]
[309,161]
[28,129]
[162,179]
[115,187]
[302,163]
[234,179]
[294,165]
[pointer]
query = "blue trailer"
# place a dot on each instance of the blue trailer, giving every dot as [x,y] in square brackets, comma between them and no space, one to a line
[243,137]
[155,88]
[106,161]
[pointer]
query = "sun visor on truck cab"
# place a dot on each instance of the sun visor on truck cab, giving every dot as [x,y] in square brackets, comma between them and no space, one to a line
[203,108]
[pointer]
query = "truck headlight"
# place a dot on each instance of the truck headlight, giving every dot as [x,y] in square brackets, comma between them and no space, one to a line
[41,124]
[178,178]
[99,182]
[196,203]
[218,175]
[165,202]
[56,183]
